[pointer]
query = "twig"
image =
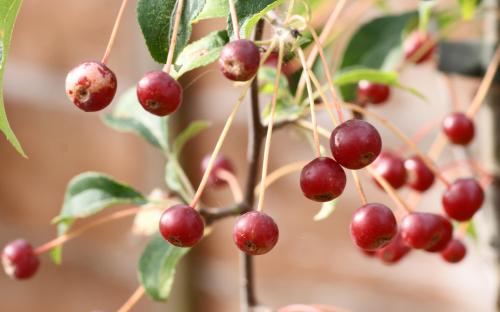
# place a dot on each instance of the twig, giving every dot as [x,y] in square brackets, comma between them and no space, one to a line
[132,301]
[173,40]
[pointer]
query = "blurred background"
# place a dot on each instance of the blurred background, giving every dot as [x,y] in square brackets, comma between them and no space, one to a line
[314,262]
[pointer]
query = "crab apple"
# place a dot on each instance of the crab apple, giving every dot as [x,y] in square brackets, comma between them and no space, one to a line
[446,230]
[255,233]
[19,259]
[423,230]
[221,163]
[413,45]
[323,179]
[420,177]
[462,199]
[391,167]
[373,226]
[371,92]
[91,86]
[394,251]
[355,144]
[181,226]
[458,128]
[239,60]
[454,252]
[159,93]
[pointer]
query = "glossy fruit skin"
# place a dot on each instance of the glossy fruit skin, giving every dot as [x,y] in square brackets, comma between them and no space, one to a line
[391,167]
[454,252]
[373,226]
[459,128]
[446,230]
[91,86]
[423,230]
[322,180]
[419,176]
[255,233]
[373,93]
[355,144]
[159,93]
[19,260]
[239,60]
[394,251]
[221,163]
[182,226]
[462,199]
[414,42]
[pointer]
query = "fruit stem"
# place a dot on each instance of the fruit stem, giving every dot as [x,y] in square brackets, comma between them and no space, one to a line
[359,187]
[267,145]
[281,172]
[322,38]
[317,85]
[132,301]
[390,190]
[234,19]
[328,75]
[75,233]
[485,85]
[112,38]
[218,146]
[233,183]
[173,40]
[311,103]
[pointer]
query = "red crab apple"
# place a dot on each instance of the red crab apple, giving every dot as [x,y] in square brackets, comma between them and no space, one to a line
[323,179]
[420,177]
[454,252]
[373,226]
[373,93]
[181,226]
[19,259]
[458,128]
[221,163]
[423,230]
[239,60]
[255,233]
[391,167]
[462,199]
[91,86]
[414,44]
[159,93]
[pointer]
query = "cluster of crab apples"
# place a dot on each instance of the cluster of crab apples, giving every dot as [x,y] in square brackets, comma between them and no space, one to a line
[354,144]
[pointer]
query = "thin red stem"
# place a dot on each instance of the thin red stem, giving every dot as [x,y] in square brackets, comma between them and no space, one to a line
[112,38]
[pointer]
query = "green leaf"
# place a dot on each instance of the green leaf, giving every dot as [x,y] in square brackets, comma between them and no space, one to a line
[88,194]
[213,9]
[353,75]
[187,134]
[468,8]
[249,12]
[471,230]
[326,210]
[200,53]
[286,110]
[266,77]
[8,14]
[372,43]
[129,116]
[157,267]
[156,19]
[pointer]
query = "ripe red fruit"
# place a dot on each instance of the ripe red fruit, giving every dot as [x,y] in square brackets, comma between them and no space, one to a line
[414,43]
[19,259]
[422,230]
[458,128]
[323,179]
[91,86]
[373,226]
[391,167]
[371,92]
[221,163]
[159,93]
[239,60]
[272,61]
[446,230]
[255,233]
[181,226]
[462,199]
[420,177]
[454,252]
[394,251]
[355,144]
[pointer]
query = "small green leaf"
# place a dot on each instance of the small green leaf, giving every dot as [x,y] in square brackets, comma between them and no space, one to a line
[249,13]
[424,13]
[88,194]
[187,134]
[200,53]
[471,230]
[468,8]
[8,14]
[213,9]
[286,110]
[353,75]
[129,116]
[157,267]
[266,77]
[372,43]
[156,19]
[326,210]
